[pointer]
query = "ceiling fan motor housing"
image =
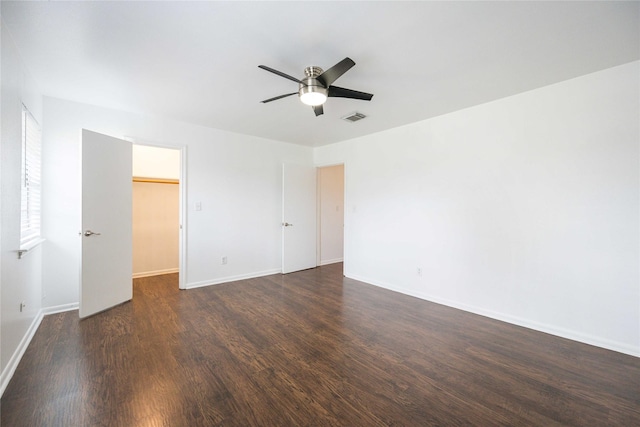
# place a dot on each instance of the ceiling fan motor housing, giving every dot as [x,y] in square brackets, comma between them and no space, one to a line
[310,85]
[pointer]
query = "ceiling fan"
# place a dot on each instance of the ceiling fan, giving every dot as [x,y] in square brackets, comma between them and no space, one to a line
[316,86]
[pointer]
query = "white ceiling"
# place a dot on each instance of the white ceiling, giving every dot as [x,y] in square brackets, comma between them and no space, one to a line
[198,61]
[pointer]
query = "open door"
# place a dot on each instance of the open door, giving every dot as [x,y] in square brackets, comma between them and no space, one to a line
[106,266]
[298,217]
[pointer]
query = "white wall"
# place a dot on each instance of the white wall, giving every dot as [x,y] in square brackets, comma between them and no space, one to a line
[236,178]
[524,209]
[156,228]
[331,213]
[155,162]
[20,279]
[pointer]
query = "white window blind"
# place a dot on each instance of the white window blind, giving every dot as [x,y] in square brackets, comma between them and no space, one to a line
[30,213]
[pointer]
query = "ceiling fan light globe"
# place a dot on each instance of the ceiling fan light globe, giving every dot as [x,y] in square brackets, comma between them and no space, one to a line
[313,98]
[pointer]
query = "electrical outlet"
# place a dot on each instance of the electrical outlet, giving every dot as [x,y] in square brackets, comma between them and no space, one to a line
[22,306]
[419,271]
[223,261]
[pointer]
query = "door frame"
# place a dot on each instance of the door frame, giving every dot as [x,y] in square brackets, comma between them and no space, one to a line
[182,190]
[319,207]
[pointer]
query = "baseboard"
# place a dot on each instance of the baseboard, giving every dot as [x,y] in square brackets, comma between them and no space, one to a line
[155,273]
[514,320]
[60,308]
[331,261]
[10,369]
[231,279]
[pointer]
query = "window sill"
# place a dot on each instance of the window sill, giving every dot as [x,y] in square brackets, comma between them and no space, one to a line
[29,246]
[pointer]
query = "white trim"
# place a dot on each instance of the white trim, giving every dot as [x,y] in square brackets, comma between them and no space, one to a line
[10,369]
[514,320]
[32,244]
[59,308]
[155,273]
[182,248]
[232,278]
[331,261]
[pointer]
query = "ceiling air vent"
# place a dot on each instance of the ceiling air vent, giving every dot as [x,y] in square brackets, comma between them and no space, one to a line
[354,117]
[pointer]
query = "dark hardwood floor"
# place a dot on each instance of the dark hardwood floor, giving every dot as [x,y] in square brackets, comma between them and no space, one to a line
[309,349]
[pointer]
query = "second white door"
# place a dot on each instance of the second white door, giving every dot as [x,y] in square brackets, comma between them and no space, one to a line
[298,217]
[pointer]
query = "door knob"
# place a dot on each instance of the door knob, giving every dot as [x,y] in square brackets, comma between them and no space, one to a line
[286,224]
[89,233]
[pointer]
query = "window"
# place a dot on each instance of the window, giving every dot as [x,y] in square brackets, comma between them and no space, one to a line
[30,212]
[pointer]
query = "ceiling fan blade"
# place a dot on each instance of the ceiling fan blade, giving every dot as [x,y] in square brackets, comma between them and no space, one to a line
[275,98]
[340,92]
[318,110]
[280,73]
[332,74]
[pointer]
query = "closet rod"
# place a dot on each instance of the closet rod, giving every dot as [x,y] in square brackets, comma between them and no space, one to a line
[156,180]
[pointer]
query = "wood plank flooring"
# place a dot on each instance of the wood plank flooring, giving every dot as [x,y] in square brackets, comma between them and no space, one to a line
[309,349]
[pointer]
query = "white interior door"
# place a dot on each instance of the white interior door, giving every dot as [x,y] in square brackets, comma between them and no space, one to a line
[106,266]
[298,217]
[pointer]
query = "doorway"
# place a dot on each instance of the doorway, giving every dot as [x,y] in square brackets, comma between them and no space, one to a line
[330,202]
[157,211]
